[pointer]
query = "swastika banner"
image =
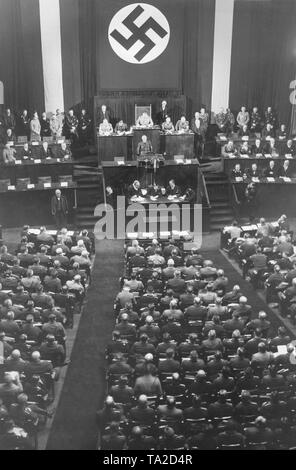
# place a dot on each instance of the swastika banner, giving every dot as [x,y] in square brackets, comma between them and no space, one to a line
[141,44]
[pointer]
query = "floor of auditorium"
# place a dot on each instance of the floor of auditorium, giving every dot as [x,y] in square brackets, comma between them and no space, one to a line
[80,391]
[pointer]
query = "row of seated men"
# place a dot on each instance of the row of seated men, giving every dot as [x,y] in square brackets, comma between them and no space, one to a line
[271,169]
[269,258]
[191,364]
[42,285]
[199,123]
[253,121]
[35,129]
[29,153]
[259,148]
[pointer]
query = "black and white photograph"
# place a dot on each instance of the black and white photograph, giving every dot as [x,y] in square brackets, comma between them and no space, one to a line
[147,228]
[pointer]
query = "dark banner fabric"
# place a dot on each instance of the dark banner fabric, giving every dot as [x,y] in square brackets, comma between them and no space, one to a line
[139,44]
[21,68]
[263,55]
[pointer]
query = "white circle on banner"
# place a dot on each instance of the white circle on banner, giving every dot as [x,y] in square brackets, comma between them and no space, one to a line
[139,33]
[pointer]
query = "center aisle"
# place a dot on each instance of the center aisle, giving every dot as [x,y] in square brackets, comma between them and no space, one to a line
[74,425]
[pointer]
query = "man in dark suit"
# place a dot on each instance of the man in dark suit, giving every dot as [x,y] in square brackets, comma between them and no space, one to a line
[271,170]
[144,146]
[45,151]
[288,148]
[236,172]
[45,126]
[134,189]
[257,147]
[162,113]
[71,126]
[84,128]
[59,209]
[173,189]
[285,170]
[102,114]
[253,172]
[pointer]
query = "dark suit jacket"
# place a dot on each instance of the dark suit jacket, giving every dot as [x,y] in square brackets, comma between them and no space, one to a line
[54,205]
[133,192]
[161,115]
[173,192]
[101,116]
[43,154]
[283,172]
[252,174]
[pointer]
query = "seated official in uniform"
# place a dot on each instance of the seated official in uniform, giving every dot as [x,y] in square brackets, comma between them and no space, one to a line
[105,128]
[268,132]
[244,131]
[173,189]
[134,190]
[64,152]
[243,117]
[271,171]
[271,149]
[229,149]
[182,125]
[255,121]
[285,170]
[168,126]
[26,153]
[8,155]
[257,148]
[144,120]
[282,133]
[45,151]
[144,146]
[253,172]
[288,149]
[120,127]
[245,150]
[236,172]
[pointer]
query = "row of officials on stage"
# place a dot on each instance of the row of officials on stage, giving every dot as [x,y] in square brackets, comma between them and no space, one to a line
[55,124]
[26,153]
[272,170]
[198,124]
[269,148]
[254,120]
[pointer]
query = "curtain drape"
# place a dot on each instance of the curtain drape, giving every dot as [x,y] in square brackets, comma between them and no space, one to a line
[198,53]
[20,55]
[263,55]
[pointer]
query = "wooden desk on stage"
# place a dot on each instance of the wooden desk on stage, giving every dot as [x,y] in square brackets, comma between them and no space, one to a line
[32,170]
[178,144]
[114,145]
[119,177]
[153,134]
